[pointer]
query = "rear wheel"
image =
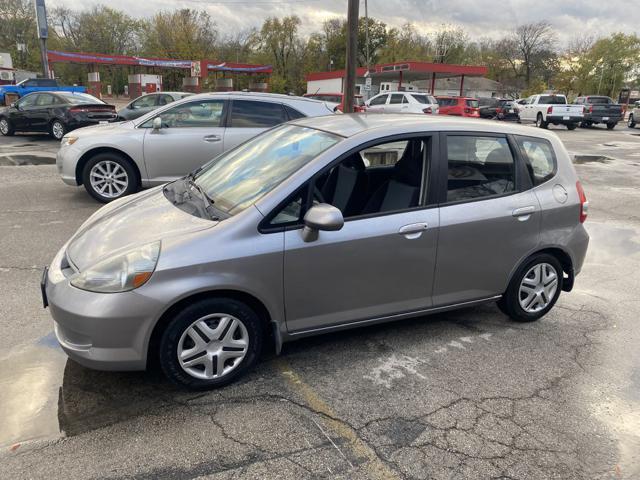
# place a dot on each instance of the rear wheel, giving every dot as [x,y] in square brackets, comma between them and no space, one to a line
[540,123]
[534,289]
[631,123]
[611,125]
[6,128]
[57,129]
[211,343]
[572,126]
[109,176]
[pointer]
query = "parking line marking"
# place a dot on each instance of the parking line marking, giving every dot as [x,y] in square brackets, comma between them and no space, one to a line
[376,468]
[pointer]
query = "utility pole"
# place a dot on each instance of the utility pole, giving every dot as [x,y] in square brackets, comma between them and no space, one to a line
[43,34]
[352,55]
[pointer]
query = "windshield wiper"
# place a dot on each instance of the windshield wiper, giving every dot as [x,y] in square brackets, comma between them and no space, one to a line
[208,201]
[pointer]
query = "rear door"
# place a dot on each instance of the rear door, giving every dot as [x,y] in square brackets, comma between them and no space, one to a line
[41,115]
[394,104]
[489,217]
[248,118]
[192,133]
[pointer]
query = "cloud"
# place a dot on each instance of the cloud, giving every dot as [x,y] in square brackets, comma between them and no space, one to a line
[479,18]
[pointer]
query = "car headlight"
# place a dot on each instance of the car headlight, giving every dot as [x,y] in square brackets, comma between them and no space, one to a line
[120,273]
[66,141]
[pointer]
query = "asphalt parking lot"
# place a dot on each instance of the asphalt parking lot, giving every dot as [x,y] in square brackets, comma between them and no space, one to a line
[466,394]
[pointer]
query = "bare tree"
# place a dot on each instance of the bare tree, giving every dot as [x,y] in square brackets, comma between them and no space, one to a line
[532,41]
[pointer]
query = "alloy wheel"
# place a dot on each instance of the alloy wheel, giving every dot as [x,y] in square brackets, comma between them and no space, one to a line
[109,179]
[58,130]
[4,126]
[213,346]
[538,287]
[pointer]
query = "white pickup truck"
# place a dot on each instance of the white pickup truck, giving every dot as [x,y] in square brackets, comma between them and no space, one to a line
[546,109]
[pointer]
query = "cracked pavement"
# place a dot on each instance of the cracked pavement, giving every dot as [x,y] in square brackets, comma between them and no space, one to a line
[464,394]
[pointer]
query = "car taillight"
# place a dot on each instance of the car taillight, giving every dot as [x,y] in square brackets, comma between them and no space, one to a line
[584,204]
[549,110]
[427,110]
[590,108]
[498,110]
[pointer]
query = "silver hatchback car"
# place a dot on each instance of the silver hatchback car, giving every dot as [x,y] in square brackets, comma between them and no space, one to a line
[319,225]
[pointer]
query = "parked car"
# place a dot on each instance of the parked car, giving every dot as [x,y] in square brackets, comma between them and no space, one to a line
[338,100]
[403,102]
[55,113]
[146,103]
[600,109]
[31,85]
[459,106]
[499,109]
[554,109]
[112,161]
[634,118]
[291,233]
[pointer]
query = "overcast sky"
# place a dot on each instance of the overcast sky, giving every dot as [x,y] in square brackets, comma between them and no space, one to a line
[570,18]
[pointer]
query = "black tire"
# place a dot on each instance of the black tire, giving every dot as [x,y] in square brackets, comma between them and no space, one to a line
[584,125]
[510,301]
[572,126]
[611,126]
[57,129]
[170,341]
[125,164]
[631,123]
[540,121]
[6,129]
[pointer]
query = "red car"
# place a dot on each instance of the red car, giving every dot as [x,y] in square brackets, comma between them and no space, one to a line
[460,106]
[338,98]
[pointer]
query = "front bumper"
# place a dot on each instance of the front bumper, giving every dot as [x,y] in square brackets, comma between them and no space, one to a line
[99,330]
[66,161]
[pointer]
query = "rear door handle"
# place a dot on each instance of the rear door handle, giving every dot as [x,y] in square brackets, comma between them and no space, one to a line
[212,138]
[413,230]
[523,213]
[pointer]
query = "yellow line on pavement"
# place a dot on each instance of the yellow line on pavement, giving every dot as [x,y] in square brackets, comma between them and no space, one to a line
[376,468]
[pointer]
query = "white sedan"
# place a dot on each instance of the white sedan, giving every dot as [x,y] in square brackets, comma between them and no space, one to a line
[117,159]
[403,102]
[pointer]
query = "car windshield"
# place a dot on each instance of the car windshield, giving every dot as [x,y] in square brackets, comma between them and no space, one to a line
[240,177]
[79,98]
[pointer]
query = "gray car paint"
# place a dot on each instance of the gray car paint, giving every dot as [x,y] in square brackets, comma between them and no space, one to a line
[367,272]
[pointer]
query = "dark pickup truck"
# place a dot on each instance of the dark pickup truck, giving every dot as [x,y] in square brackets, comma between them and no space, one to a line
[599,109]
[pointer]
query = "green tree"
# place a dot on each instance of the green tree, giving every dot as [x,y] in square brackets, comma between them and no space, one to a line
[18,26]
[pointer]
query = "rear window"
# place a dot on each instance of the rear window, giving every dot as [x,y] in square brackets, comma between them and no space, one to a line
[327,98]
[471,103]
[553,99]
[79,98]
[600,100]
[539,158]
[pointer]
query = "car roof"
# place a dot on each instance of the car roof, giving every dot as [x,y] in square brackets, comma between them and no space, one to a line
[255,95]
[349,125]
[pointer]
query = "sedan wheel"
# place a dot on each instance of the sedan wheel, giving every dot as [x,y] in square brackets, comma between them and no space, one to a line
[632,122]
[109,179]
[538,287]
[5,127]
[57,130]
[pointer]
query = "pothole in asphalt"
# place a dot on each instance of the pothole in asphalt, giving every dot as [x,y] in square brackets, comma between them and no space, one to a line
[20,160]
[580,159]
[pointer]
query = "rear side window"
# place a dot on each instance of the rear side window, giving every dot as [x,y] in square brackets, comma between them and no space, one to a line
[539,158]
[420,98]
[478,167]
[293,113]
[396,98]
[251,114]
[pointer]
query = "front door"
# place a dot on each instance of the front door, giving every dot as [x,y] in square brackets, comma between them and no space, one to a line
[192,133]
[488,221]
[382,261]
[20,116]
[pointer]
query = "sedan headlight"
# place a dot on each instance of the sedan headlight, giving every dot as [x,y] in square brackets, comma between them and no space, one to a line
[66,141]
[120,273]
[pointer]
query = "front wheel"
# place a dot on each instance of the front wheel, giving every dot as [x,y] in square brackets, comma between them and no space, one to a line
[211,343]
[631,123]
[534,289]
[57,129]
[6,129]
[109,176]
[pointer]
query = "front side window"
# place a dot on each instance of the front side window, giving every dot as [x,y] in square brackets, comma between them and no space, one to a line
[539,158]
[145,102]
[478,167]
[28,101]
[45,100]
[240,177]
[203,113]
[254,114]
[380,100]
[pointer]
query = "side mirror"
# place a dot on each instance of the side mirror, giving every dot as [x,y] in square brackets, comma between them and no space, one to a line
[321,217]
[157,123]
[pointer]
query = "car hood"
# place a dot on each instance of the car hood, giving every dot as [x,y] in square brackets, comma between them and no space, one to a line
[102,129]
[127,223]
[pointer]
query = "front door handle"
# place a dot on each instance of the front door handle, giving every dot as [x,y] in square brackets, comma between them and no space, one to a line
[212,138]
[413,230]
[523,213]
